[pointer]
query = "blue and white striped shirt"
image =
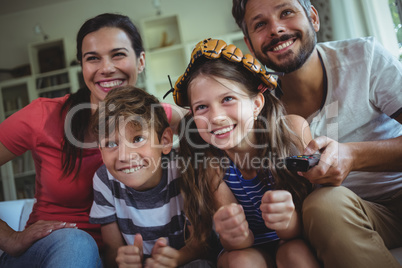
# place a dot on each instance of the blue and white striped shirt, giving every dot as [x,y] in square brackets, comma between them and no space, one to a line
[155,213]
[249,193]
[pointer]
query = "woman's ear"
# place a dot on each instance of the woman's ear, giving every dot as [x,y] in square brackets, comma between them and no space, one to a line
[167,140]
[141,62]
[259,102]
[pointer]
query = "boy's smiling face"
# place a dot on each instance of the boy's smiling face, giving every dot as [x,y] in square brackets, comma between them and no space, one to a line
[133,155]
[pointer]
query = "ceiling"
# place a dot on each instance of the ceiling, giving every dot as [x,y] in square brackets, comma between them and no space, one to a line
[7,6]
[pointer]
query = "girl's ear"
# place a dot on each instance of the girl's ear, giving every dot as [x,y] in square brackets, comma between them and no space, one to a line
[259,102]
[167,140]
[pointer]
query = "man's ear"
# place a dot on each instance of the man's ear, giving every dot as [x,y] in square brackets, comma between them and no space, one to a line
[167,140]
[249,45]
[314,18]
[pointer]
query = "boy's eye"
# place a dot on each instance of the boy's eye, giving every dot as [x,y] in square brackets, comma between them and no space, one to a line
[138,139]
[110,144]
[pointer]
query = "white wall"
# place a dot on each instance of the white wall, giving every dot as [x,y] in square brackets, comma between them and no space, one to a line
[358,18]
[200,19]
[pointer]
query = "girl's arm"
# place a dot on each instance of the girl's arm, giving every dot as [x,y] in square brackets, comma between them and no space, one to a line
[301,128]
[112,239]
[277,206]
[230,220]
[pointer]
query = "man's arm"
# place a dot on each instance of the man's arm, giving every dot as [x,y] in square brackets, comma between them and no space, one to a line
[339,159]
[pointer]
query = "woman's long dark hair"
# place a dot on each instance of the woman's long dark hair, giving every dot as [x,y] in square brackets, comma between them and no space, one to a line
[274,138]
[80,121]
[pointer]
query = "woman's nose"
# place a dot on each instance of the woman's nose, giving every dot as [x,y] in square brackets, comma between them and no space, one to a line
[108,66]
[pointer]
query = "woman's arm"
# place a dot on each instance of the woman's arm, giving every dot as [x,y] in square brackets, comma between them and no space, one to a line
[5,155]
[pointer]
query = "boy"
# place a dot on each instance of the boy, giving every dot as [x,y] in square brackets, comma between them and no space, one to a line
[137,197]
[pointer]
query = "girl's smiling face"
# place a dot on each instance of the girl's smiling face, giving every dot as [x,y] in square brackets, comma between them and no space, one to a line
[109,61]
[223,112]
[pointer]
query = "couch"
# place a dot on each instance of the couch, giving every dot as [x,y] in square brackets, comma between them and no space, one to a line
[16,214]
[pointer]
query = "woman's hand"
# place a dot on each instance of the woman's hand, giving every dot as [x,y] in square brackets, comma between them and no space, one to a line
[162,255]
[18,242]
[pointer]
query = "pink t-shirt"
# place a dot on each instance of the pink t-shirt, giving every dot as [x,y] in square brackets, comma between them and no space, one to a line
[38,127]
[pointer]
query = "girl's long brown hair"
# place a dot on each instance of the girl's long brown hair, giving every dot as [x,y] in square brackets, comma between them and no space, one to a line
[273,137]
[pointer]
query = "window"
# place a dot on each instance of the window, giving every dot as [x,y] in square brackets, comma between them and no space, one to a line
[396,12]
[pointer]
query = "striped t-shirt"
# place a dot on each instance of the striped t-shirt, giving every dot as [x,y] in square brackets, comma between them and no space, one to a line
[155,213]
[249,193]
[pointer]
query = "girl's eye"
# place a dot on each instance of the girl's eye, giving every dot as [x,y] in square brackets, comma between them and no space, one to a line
[226,99]
[200,107]
[138,139]
[110,144]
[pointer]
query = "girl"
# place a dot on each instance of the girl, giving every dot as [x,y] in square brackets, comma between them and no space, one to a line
[235,136]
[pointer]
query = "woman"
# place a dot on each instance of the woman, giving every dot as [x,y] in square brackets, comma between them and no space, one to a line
[109,48]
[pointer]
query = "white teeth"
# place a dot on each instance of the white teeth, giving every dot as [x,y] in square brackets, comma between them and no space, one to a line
[223,130]
[111,83]
[131,170]
[288,43]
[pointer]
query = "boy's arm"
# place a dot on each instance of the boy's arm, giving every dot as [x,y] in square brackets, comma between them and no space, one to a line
[112,240]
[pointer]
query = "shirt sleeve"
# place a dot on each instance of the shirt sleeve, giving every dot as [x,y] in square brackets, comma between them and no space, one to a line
[103,209]
[18,132]
[168,111]
[386,80]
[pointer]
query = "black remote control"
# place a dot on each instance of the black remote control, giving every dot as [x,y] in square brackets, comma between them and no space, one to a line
[301,162]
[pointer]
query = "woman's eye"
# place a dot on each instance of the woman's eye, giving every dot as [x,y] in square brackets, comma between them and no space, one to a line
[119,54]
[91,58]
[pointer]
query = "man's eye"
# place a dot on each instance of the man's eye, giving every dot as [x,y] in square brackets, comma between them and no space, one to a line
[286,13]
[259,25]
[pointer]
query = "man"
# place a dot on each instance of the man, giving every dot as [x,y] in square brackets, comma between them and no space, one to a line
[350,92]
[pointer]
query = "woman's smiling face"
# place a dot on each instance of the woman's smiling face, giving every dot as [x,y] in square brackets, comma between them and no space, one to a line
[109,61]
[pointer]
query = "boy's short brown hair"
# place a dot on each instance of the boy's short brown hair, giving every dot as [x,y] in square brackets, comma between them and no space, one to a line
[134,106]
